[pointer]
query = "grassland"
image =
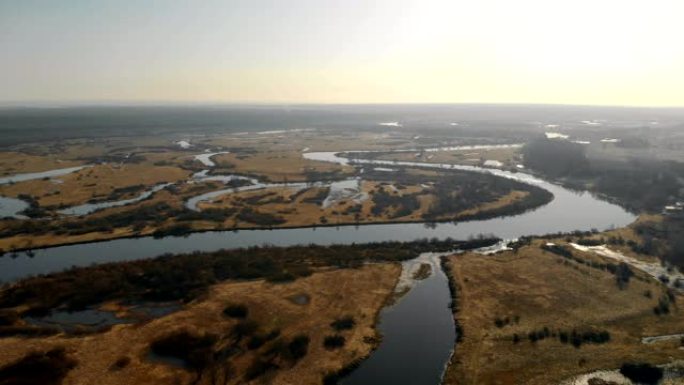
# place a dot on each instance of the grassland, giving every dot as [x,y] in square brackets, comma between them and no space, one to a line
[17,163]
[514,307]
[281,166]
[121,355]
[123,168]
[95,183]
[510,157]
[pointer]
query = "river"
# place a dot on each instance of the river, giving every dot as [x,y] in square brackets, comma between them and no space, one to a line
[418,331]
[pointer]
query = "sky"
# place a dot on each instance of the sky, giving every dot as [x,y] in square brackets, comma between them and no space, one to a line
[589,52]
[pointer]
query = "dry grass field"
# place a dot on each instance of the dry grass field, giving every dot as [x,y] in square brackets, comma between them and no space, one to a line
[95,182]
[331,295]
[12,163]
[279,166]
[534,289]
[297,209]
[508,156]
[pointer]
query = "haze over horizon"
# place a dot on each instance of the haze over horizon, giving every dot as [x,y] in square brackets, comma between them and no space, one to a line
[582,52]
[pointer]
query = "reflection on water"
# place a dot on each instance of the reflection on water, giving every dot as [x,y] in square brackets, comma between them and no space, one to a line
[418,333]
[205,159]
[69,321]
[40,175]
[95,319]
[11,207]
[568,211]
[92,207]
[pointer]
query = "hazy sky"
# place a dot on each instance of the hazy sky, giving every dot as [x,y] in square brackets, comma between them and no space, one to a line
[617,52]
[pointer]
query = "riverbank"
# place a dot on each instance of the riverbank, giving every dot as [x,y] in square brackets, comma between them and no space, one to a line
[379,202]
[276,315]
[536,317]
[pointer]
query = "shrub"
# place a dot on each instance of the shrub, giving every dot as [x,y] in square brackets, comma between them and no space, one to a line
[258,368]
[195,350]
[501,322]
[236,311]
[345,323]
[298,347]
[334,342]
[120,363]
[48,368]
[642,373]
[245,329]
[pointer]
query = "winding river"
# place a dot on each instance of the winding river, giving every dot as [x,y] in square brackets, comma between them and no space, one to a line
[418,330]
[11,207]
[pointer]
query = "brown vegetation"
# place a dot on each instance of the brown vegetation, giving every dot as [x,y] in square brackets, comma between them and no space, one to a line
[121,355]
[537,317]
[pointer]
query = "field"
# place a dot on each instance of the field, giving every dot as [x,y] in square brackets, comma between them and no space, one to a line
[518,311]
[510,157]
[281,166]
[95,183]
[123,168]
[306,307]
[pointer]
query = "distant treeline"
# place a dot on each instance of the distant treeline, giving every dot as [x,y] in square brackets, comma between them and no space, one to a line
[640,185]
[185,276]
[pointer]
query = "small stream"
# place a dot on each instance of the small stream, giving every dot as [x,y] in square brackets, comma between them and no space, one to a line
[12,207]
[89,208]
[40,175]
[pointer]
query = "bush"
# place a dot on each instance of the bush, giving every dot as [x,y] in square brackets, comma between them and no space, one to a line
[298,347]
[121,363]
[195,350]
[334,342]
[642,373]
[345,323]
[48,368]
[258,368]
[245,329]
[236,311]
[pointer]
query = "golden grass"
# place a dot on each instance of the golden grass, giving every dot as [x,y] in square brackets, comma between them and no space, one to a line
[509,156]
[544,290]
[333,294]
[12,163]
[278,166]
[94,182]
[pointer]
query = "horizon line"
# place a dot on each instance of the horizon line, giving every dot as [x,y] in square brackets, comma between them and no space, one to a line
[190,103]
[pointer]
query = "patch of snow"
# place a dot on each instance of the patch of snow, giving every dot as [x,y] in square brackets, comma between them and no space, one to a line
[183,144]
[654,269]
[384,169]
[205,159]
[609,376]
[492,163]
[654,339]
[346,189]
[499,246]
[556,135]
[390,124]
[610,140]
[271,132]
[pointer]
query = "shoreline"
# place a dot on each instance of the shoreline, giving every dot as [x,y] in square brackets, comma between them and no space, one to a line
[467,218]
